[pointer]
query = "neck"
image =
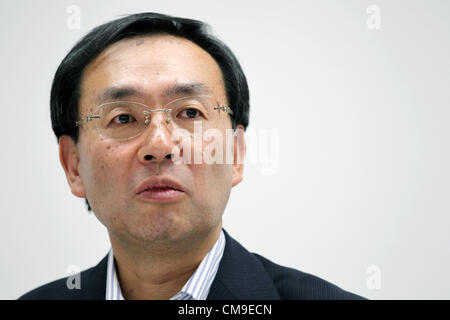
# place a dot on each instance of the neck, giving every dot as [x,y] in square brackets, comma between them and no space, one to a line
[149,271]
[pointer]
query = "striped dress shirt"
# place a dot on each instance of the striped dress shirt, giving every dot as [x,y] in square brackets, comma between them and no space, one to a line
[196,288]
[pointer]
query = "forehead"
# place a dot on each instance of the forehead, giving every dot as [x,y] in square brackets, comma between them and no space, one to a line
[150,65]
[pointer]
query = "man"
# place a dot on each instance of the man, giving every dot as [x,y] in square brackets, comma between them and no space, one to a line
[140,107]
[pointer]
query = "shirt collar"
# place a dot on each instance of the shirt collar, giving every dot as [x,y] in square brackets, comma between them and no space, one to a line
[196,288]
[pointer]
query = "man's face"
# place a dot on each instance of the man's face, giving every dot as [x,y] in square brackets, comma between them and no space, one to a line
[108,172]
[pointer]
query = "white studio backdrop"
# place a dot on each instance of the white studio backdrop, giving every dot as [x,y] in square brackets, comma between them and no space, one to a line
[348,169]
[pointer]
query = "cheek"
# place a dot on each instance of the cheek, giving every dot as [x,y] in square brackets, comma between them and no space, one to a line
[213,185]
[214,175]
[101,174]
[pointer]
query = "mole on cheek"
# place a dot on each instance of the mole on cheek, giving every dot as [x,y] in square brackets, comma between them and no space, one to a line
[102,164]
[111,149]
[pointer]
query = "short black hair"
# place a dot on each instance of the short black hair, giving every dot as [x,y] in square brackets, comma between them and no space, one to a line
[65,92]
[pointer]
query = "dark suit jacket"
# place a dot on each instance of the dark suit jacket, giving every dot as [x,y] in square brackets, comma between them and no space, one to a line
[241,275]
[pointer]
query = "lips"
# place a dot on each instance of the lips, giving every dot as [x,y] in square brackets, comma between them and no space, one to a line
[160,189]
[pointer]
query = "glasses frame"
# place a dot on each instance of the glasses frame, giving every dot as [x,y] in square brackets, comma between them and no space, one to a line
[148,112]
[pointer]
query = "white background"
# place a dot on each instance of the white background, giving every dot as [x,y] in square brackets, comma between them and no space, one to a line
[363,123]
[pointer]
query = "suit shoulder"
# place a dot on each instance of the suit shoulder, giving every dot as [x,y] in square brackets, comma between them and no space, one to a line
[92,285]
[293,284]
[54,290]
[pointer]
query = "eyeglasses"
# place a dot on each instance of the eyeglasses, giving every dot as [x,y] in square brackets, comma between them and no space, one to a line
[124,120]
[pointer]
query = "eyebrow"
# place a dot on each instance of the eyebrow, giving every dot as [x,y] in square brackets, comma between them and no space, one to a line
[190,88]
[187,89]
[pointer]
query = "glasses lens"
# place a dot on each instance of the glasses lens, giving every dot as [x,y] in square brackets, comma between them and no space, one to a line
[191,112]
[120,120]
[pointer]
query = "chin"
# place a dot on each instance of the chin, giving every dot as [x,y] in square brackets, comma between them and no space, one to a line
[163,226]
[161,231]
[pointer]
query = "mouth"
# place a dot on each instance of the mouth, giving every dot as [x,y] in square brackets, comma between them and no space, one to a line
[161,194]
[160,190]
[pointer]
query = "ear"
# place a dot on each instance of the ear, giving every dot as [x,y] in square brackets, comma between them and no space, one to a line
[68,156]
[239,150]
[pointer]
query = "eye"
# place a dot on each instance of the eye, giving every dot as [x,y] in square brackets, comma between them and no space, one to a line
[123,119]
[190,113]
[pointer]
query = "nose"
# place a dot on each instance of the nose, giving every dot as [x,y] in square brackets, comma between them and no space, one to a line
[157,145]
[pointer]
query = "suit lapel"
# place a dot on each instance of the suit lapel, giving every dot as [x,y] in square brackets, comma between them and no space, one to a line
[93,282]
[241,276]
